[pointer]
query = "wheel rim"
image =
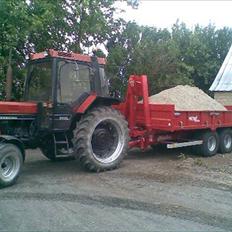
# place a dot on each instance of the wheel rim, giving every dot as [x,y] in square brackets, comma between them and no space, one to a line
[9,166]
[212,143]
[227,141]
[107,141]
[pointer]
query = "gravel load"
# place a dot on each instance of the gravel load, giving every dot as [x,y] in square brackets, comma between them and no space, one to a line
[187,98]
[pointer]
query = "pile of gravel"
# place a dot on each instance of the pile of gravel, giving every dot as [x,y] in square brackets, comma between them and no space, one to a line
[186,97]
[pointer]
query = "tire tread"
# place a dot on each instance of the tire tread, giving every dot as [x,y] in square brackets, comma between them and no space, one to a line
[82,135]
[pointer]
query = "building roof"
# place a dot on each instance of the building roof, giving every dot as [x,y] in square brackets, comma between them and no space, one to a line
[223,80]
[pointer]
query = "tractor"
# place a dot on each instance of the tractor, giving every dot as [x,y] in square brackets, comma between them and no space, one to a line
[67,112]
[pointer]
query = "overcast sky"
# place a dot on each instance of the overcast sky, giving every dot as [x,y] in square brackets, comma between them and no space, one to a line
[165,13]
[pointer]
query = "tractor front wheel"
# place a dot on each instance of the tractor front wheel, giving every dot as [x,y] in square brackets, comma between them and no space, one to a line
[101,139]
[11,160]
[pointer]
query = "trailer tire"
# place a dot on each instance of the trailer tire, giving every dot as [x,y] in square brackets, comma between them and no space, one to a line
[101,139]
[210,144]
[11,161]
[225,141]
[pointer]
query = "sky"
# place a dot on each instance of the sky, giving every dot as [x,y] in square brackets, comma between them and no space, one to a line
[163,14]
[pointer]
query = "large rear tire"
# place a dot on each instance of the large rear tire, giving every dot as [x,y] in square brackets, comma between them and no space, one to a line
[11,160]
[101,139]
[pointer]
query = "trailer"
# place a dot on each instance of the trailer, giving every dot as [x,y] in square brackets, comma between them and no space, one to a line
[151,124]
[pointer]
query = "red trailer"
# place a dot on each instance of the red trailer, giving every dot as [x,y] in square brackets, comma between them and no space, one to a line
[152,124]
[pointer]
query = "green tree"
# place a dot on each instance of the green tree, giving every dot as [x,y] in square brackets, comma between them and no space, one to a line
[179,56]
[35,25]
[150,51]
[204,51]
[14,22]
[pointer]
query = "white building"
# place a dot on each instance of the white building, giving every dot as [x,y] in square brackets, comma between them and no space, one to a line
[222,85]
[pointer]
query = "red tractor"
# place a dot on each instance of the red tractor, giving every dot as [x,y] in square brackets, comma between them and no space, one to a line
[66,112]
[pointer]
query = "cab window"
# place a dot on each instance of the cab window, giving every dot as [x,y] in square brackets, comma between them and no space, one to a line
[73,80]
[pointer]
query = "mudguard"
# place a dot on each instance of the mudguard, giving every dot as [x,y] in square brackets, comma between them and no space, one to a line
[93,100]
[15,141]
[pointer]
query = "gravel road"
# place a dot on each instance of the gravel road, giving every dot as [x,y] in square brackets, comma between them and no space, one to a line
[152,191]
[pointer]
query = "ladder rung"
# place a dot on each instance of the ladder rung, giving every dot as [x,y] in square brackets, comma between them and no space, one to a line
[61,142]
[57,142]
[63,156]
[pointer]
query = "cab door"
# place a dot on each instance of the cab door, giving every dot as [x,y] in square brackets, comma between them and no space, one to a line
[74,84]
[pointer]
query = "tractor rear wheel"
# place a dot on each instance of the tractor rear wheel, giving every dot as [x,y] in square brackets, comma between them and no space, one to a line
[11,160]
[101,139]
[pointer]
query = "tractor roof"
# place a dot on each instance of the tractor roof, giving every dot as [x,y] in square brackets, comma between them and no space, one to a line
[66,55]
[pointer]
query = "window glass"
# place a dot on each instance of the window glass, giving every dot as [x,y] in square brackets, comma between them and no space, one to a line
[73,80]
[104,82]
[40,82]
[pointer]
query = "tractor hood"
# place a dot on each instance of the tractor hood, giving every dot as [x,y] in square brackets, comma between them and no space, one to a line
[18,107]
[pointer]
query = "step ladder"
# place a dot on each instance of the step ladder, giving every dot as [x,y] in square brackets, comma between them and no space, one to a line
[61,142]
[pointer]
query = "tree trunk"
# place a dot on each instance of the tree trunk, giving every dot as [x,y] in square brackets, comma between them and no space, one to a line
[9,78]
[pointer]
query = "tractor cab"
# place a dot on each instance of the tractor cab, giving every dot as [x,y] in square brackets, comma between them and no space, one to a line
[61,78]
[60,83]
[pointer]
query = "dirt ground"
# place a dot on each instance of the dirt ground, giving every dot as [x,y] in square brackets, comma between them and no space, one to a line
[162,190]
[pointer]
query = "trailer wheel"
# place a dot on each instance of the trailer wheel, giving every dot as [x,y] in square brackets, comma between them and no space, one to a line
[225,141]
[11,160]
[210,144]
[101,139]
